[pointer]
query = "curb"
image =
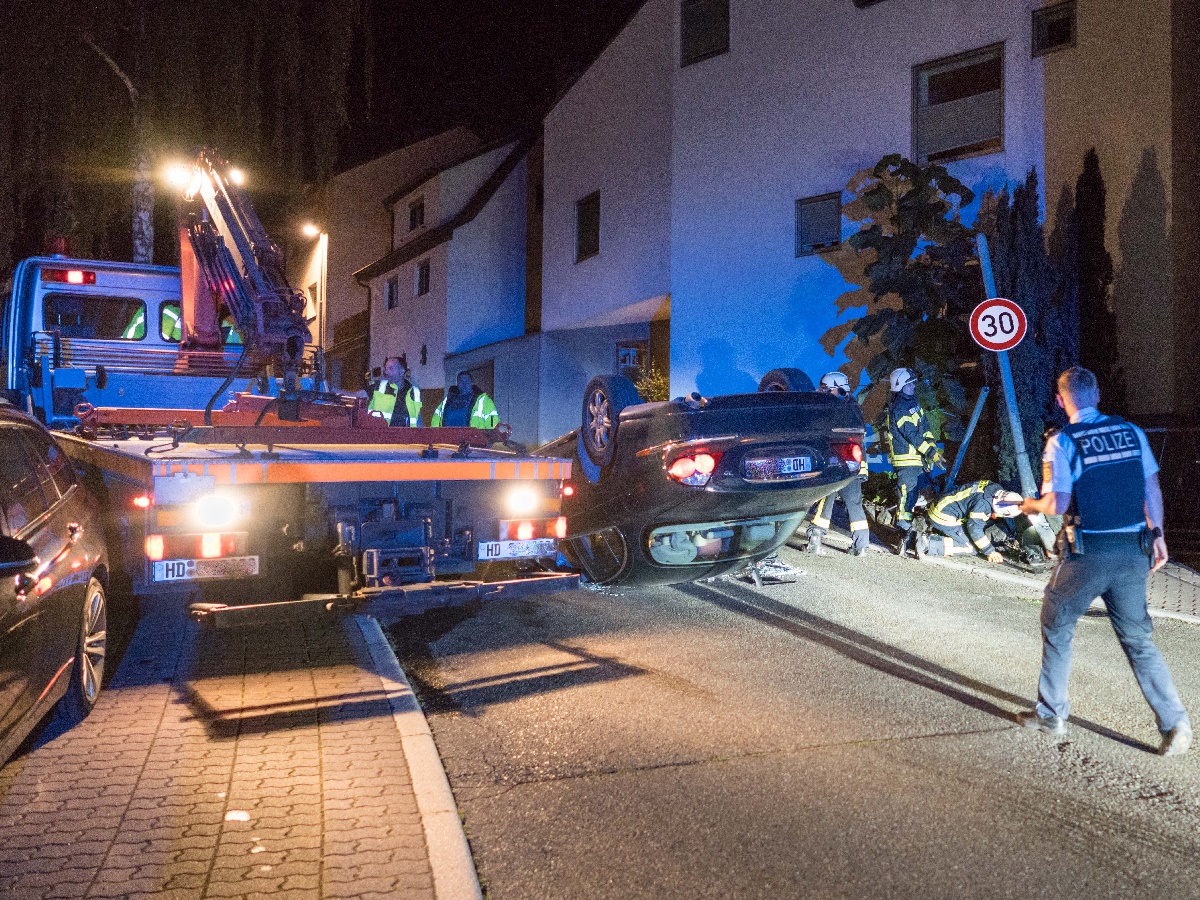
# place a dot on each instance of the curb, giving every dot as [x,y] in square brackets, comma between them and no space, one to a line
[450,857]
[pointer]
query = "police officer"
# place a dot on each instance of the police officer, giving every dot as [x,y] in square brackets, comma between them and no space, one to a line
[837,384]
[396,383]
[911,446]
[1099,472]
[464,404]
[960,516]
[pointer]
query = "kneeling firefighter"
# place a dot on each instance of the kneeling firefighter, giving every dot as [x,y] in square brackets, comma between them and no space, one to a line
[837,384]
[959,518]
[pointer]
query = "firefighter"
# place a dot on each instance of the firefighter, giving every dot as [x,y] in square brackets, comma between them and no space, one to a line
[960,516]
[912,448]
[837,384]
[464,404]
[386,392]
[1099,474]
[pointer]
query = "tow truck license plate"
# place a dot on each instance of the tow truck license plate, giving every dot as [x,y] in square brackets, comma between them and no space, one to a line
[194,569]
[777,467]
[517,549]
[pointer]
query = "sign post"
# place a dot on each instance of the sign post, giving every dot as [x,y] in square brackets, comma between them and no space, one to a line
[998,324]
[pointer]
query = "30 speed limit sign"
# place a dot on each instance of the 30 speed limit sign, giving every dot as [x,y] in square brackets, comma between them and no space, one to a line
[997,324]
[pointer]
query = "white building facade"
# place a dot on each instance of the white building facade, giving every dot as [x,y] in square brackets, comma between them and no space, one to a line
[716,138]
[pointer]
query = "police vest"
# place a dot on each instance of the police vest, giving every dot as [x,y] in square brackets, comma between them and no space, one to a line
[1110,492]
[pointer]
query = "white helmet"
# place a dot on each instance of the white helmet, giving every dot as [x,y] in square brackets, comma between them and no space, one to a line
[1006,504]
[835,383]
[900,378]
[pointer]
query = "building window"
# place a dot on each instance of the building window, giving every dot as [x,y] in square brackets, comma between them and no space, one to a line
[818,223]
[703,30]
[1054,28]
[632,358]
[416,214]
[587,227]
[421,279]
[958,106]
[391,292]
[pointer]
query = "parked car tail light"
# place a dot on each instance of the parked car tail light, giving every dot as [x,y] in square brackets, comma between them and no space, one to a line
[850,453]
[155,547]
[695,468]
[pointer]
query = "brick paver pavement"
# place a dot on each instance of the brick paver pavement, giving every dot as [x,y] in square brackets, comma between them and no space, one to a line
[251,763]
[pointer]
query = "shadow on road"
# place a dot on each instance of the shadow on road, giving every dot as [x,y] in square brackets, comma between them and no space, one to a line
[878,655]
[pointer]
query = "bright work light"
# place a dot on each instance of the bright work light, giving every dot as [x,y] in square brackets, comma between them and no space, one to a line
[215,511]
[523,501]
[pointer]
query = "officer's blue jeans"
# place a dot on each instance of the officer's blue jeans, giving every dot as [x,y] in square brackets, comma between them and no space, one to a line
[1116,571]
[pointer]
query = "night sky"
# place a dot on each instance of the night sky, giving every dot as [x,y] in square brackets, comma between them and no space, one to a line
[490,65]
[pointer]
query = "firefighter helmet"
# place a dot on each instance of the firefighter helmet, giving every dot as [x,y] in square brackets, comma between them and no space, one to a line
[835,383]
[901,378]
[1006,504]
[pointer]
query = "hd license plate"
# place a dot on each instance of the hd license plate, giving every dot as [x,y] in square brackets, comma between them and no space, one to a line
[777,468]
[195,569]
[517,549]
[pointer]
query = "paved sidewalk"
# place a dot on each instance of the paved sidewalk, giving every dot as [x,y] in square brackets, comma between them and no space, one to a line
[252,763]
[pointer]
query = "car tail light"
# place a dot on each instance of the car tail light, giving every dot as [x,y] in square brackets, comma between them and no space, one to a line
[695,468]
[144,501]
[155,547]
[850,453]
[69,276]
[560,527]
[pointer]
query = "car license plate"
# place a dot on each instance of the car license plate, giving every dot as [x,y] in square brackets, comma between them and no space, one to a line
[195,569]
[517,549]
[777,468]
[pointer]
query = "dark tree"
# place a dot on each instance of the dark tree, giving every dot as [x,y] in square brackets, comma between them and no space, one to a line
[1097,322]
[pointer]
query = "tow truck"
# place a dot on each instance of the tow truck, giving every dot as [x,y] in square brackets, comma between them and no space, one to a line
[190,401]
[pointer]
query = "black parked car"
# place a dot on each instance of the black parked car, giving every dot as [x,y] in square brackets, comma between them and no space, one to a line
[668,492]
[53,565]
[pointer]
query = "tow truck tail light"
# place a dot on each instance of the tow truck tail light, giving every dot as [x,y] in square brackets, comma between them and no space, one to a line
[144,501]
[68,276]
[568,490]
[155,546]
[694,469]
[525,531]
[560,527]
[210,545]
[533,529]
[850,453]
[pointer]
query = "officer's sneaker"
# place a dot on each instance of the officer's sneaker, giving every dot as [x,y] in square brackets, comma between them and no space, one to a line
[1176,741]
[1046,724]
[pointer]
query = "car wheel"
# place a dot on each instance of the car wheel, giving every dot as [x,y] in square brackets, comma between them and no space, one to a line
[785,380]
[605,397]
[87,676]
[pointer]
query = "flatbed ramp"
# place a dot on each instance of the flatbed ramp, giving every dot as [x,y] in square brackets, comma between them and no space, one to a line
[224,764]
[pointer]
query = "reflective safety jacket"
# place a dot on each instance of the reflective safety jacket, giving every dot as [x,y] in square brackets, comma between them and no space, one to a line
[909,440]
[383,400]
[968,507]
[455,410]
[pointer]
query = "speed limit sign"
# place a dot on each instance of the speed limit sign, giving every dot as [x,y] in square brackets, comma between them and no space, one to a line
[997,324]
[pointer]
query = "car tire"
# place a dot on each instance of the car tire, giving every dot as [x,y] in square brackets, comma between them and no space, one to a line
[605,397]
[87,675]
[785,380]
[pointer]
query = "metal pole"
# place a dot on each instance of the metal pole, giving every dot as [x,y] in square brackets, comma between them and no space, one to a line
[1028,485]
[962,448]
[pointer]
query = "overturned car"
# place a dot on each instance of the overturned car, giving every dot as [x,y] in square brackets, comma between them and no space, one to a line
[673,491]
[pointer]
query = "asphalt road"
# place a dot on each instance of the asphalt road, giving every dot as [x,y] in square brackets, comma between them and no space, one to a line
[847,736]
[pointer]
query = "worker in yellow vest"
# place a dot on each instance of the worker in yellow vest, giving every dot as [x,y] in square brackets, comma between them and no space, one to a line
[386,392]
[464,404]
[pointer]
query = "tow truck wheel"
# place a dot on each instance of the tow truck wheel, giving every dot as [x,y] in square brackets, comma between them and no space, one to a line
[605,397]
[785,380]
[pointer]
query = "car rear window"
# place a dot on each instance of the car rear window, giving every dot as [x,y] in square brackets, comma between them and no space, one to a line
[50,455]
[21,497]
[96,317]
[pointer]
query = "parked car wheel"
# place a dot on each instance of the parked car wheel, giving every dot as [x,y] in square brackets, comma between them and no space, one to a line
[87,675]
[785,380]
[605,397]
